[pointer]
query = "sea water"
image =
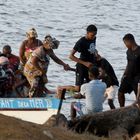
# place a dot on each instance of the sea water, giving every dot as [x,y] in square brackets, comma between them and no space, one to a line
[67,20]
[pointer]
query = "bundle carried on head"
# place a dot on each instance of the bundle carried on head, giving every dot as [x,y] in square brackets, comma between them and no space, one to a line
[52,41]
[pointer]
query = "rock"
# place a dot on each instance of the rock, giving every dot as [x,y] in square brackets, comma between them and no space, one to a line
[119,133]
[136,129]
[57,120]
[48,133]
[101,123]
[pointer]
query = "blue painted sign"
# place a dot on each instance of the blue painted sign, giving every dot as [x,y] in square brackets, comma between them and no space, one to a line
[29,103]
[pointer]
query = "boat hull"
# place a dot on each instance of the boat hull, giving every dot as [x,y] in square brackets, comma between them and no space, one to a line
[35,116]
[36,110]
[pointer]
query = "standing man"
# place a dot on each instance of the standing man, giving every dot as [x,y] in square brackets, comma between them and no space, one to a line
[131,75]
[86,47]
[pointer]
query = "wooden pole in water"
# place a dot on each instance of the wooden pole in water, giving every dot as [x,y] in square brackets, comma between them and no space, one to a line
[61,101]
[60,105]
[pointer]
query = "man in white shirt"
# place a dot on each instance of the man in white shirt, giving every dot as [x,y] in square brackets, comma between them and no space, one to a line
[93,92]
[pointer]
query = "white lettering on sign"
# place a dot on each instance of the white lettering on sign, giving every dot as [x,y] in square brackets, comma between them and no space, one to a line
[49,103]
[36,103]
[39,103]
[25,103]
[22,104]
[6,103]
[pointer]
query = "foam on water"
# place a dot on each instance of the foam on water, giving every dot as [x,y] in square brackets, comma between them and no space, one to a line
[67,21]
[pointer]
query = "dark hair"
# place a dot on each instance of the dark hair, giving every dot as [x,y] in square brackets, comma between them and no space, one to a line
[94,71]
[7,47]
[129,37]
[92,28]
[1,54]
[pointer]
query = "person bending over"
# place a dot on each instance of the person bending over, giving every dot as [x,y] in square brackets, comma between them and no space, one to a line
[35,69]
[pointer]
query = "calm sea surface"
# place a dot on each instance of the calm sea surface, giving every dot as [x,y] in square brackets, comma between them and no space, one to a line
[67,20]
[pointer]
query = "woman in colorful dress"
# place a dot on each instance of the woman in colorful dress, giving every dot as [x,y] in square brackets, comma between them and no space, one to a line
[36,67]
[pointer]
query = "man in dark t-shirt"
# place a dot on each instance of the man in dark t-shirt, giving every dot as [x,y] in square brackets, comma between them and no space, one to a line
[131,75]
[86,47]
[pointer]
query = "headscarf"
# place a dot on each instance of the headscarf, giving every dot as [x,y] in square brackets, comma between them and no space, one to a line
[52,42]
[4,60]
[32,33]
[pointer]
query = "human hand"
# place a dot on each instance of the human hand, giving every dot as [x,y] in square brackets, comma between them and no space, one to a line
[42,72]
[67,67]
[88,64]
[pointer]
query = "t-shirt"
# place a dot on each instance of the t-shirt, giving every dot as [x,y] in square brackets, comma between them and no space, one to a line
[133,65]
[86,48]
[13,62]
[94,95]
[110,79]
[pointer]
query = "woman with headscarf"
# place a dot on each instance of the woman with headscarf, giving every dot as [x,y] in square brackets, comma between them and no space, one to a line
[36,67]
[29,45]
[6,78]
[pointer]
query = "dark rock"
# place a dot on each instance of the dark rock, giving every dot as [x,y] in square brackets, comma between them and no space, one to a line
[57,120]
[101,123]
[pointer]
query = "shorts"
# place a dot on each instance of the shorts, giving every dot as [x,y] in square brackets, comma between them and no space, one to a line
[127,85]
[81,109]
[111,92]
[81,75]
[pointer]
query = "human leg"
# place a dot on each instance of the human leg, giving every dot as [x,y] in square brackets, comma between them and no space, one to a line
[110,94]
[125,87]
[73,111]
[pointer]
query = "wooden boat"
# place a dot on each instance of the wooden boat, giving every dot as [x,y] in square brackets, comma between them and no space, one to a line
[36,110]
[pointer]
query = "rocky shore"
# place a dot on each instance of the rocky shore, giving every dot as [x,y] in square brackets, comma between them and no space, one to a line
[15,129]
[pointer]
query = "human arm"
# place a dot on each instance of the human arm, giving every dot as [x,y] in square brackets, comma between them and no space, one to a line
[127,66]
[21,53]
[78,96]
[59,61]
[77,60]
[82,92]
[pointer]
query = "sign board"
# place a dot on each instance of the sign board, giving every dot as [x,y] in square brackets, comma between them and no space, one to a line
[29,103]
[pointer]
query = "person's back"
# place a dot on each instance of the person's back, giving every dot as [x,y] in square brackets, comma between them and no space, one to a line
[13,62]
[94,94]
[13,59]
[110,79]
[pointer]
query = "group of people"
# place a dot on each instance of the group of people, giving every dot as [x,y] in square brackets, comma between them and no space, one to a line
[95,76]
[27,74]
[95,81]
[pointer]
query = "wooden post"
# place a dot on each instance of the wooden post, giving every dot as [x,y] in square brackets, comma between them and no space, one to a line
[61,101]
[60,105]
